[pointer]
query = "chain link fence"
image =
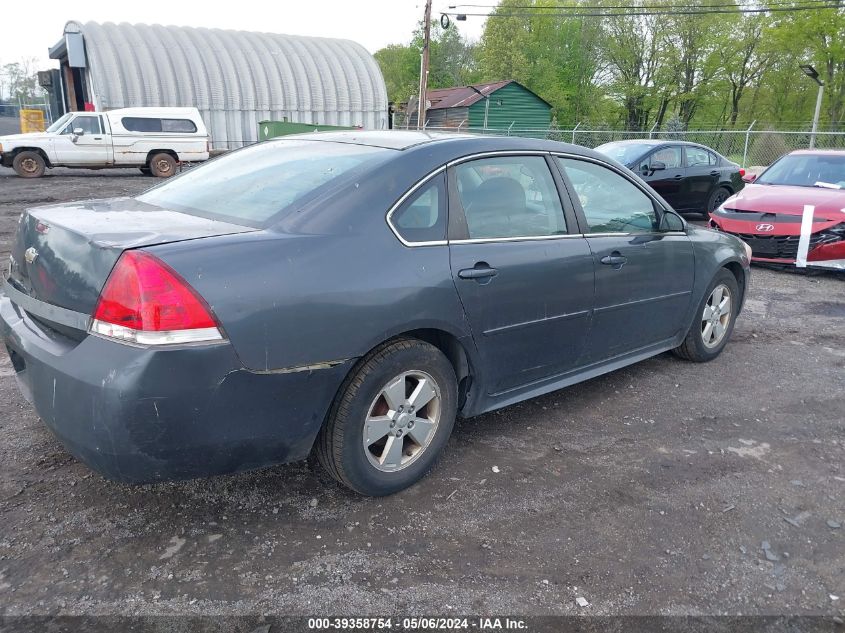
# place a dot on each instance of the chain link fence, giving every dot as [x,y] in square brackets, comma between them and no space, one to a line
[750,148]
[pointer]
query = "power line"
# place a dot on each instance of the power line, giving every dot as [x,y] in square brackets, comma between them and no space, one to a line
[668,7]
[834,4]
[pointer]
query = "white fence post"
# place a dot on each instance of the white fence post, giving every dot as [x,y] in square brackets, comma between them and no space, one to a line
[745,151]
[651,131]
[510,126]
[575,129]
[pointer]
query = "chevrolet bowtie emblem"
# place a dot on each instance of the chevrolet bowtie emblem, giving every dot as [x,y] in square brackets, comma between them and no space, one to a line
[30,255]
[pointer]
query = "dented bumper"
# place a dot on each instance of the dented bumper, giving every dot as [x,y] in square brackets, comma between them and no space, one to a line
[141,415]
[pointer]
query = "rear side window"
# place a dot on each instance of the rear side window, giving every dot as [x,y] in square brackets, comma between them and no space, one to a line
[509,196]
[150,124]
[141,124]
[699,157]
[422,217]
[178,125]
[254,184]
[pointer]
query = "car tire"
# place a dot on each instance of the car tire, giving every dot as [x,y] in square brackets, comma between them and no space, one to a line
[29,164]
[719,195]
[162,165]
[700,344]
[351,445]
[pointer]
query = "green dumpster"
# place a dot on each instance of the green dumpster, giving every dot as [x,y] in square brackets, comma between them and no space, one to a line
[272,129]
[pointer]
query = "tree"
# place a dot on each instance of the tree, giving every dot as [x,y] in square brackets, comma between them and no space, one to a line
[820,36]
[551,54]
[452,63]
[20,81]
[745,58]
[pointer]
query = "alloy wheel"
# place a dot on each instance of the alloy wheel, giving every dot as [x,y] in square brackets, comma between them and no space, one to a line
[716,316]
[402,420]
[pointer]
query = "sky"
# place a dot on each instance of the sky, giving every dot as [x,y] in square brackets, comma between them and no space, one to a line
[29,30]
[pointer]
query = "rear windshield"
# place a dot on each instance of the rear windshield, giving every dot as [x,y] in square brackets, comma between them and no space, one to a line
[252,185]
[625,153]
[806,170]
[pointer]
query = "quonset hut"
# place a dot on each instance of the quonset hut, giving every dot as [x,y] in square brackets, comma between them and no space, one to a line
[234,78]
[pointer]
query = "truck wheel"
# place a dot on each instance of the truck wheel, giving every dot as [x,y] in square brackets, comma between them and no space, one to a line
[162,165]
[29,164]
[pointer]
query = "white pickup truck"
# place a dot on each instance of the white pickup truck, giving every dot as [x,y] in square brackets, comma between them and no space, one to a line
[156,140]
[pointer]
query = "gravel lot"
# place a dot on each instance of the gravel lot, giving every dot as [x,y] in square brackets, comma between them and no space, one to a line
[650,490]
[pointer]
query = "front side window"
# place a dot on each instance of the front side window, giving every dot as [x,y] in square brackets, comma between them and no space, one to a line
[88,124]
[422,217]
[611,203]
[699,157]
[509,196]
[669,156]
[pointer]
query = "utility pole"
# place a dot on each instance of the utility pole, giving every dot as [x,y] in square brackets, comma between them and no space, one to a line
[424,66]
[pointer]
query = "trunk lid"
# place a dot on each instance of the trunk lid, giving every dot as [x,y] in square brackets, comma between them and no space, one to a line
[64,253]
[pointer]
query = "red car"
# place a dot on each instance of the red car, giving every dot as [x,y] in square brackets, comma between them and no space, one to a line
[769,213]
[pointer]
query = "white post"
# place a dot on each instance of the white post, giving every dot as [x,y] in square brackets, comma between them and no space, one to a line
[816,116]
[651,131]
[510,126]
[575,129]
[745,151]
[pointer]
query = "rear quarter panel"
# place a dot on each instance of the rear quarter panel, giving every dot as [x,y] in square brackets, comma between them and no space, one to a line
[328,283]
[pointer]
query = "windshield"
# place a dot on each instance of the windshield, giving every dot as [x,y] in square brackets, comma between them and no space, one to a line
[806,170]
[252,185]
[625,153]
[58,125]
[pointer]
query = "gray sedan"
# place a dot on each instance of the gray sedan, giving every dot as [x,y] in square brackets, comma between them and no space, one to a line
[349,294]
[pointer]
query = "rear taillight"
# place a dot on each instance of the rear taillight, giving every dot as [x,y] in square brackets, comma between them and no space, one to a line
[741,172]
[146,302]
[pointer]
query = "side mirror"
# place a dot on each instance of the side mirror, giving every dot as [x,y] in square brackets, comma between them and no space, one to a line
[670,221]
[77,132]
[657,165]
[749,178]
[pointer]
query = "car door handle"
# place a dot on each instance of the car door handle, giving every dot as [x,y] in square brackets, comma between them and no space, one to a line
[98,138]
[615,259]
[678,176]
[715,172]
[480,271]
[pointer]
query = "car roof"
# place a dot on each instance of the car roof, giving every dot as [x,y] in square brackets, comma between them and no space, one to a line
[655,142]
[444,146]
[820,152]
[387,139]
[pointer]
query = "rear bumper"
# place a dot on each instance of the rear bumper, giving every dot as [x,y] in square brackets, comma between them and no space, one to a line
[140,415]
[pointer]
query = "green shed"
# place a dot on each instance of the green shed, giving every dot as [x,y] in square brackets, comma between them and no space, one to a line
[500,105]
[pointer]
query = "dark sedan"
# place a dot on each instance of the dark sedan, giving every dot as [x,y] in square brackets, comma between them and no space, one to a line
[351,294]
[690,177]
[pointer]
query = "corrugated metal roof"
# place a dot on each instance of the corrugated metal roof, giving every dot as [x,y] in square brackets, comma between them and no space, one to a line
[465,96]
[235,78]
[461,96]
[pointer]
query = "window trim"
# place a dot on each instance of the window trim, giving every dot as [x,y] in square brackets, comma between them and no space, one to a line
[579,211]
[389,217]
[572,230]
[565,195]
